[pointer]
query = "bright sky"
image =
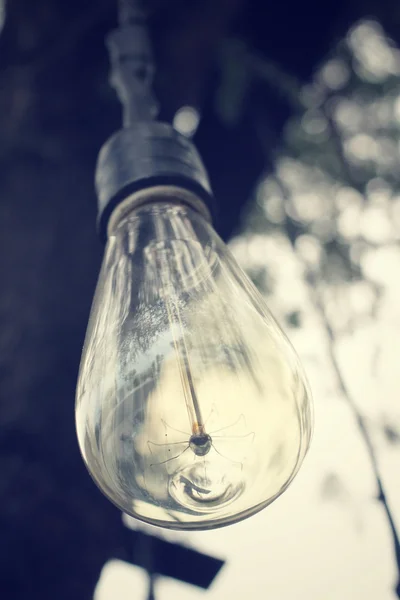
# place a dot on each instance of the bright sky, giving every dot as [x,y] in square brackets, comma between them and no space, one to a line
[327,537]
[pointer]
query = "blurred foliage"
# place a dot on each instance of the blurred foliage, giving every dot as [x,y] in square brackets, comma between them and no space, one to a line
[331,205]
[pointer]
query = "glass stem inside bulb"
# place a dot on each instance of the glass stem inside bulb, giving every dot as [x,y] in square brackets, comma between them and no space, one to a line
[182,354]
[181,350]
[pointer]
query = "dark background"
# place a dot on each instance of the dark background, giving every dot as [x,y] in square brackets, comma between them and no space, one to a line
[56,109]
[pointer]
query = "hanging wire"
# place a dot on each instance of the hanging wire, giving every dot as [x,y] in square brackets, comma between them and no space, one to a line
[131,11]
[3,13]
[132,67]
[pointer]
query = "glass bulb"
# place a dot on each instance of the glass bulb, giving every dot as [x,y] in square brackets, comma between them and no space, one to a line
[192,408]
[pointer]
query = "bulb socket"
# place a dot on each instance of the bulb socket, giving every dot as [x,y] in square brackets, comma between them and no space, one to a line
[143,156]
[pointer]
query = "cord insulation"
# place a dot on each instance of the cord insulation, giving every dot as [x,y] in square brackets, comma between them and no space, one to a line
[132,66]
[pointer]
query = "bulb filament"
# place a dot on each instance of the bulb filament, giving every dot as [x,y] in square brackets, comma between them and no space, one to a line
[200,442]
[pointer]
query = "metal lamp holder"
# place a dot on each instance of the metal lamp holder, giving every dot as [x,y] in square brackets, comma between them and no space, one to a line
[145,154]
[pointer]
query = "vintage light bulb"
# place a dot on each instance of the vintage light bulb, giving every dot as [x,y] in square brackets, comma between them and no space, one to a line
[192,409]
